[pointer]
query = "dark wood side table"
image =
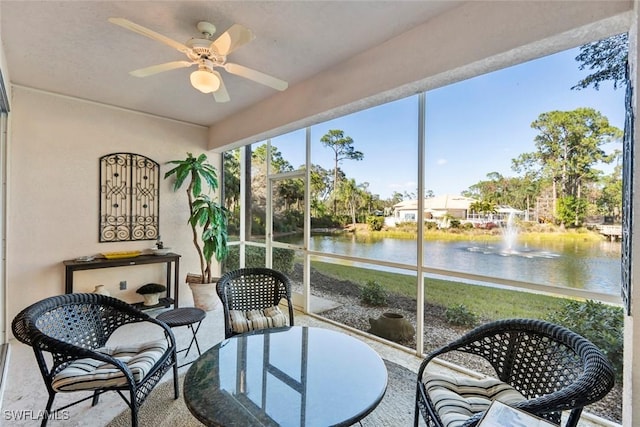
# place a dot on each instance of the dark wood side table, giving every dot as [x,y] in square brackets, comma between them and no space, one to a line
[70,266]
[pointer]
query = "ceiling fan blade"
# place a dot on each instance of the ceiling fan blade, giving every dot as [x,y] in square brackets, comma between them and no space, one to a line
[221,95]
[132,26]
[155,69]
[230,40]
[256,76]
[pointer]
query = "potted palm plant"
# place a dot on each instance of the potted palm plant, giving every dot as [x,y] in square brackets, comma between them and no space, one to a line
[208,221]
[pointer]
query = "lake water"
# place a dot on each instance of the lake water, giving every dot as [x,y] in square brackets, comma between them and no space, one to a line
[589,266]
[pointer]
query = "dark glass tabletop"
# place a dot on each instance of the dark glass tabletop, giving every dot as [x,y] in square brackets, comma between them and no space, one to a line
[294,376]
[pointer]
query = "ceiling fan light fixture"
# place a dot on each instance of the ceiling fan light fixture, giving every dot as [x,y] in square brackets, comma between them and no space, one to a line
[207,54]
[205,81]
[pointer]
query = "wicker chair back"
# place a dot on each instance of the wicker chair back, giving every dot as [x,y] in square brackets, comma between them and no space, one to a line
[247,289]
[70,327]
[554,368]
[86,322]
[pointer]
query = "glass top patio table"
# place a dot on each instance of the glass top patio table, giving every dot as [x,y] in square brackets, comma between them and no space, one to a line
[292,376]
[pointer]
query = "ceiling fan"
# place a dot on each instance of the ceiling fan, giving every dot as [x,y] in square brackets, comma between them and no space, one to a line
[207,54]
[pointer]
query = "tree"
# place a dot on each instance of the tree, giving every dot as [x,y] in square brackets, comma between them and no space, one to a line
[319,189]
[517,192]
[343,149]
[525,190]
[231,161]
[291,192]
[353,197]
[483,207]
[569,147]
[571,210]
[489,190]
[320,185]
[608,59]
[373,202]
[609,201]
[259,172]
[396,198]
[278,163]
[409,196]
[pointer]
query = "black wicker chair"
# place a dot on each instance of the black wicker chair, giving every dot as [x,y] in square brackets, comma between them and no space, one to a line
[257,292]
[75,327]
[553,368]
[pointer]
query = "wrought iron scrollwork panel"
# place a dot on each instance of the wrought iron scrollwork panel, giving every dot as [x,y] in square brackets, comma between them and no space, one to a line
[129,197]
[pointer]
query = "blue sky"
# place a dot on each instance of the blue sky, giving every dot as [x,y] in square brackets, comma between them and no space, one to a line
[473,127]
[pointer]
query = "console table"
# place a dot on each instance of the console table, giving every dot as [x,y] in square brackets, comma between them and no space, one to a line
[73,265]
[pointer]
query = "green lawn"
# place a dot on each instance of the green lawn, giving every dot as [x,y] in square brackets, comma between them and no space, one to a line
[486,302]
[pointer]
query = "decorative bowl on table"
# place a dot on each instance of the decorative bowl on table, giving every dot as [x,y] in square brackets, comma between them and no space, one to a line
[162,251]
[121,254]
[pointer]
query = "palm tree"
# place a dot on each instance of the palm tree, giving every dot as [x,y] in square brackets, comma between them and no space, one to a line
[204,213]
[483,207]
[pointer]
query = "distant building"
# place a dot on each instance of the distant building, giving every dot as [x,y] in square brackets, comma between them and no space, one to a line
[454,206]
[434,208]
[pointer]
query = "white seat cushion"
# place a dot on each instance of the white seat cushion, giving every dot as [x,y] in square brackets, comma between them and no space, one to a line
[91,374]
[458,398]
[245,321]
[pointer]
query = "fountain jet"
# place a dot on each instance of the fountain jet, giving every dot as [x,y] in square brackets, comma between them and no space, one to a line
[509,234]
[509,246]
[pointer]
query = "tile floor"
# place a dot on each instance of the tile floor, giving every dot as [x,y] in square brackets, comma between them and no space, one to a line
[25,395]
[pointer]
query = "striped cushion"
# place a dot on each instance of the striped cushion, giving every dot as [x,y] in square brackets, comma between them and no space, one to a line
[244,321]
[90,374]
[456,399]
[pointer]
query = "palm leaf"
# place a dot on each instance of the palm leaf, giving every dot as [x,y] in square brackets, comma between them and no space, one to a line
[197,184]
[205,213]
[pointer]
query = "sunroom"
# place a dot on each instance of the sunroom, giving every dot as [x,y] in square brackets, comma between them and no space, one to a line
[56,135]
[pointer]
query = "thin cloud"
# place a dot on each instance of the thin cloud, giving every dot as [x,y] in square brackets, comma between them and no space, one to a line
[409,185]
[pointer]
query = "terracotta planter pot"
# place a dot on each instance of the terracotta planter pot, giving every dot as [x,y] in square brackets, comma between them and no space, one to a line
[392,326]
[204,294]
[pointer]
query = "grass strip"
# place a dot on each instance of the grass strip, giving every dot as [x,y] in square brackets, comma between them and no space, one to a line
[487,302]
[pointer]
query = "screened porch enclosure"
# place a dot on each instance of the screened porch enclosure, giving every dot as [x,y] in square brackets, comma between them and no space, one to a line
[282,190]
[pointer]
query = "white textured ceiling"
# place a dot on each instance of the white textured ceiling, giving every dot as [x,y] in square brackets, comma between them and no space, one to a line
[69,47]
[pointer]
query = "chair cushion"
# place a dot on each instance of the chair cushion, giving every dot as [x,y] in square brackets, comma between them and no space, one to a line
[244,321]
[91,374]
[458,398]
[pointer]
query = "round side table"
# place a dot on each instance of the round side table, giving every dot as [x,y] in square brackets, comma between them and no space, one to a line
[185,316]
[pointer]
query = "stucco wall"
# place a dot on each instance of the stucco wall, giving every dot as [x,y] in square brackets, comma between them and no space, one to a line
[53,201]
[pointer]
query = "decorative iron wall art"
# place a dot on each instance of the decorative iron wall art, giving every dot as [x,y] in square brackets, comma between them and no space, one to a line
[627,198]
[129,197]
